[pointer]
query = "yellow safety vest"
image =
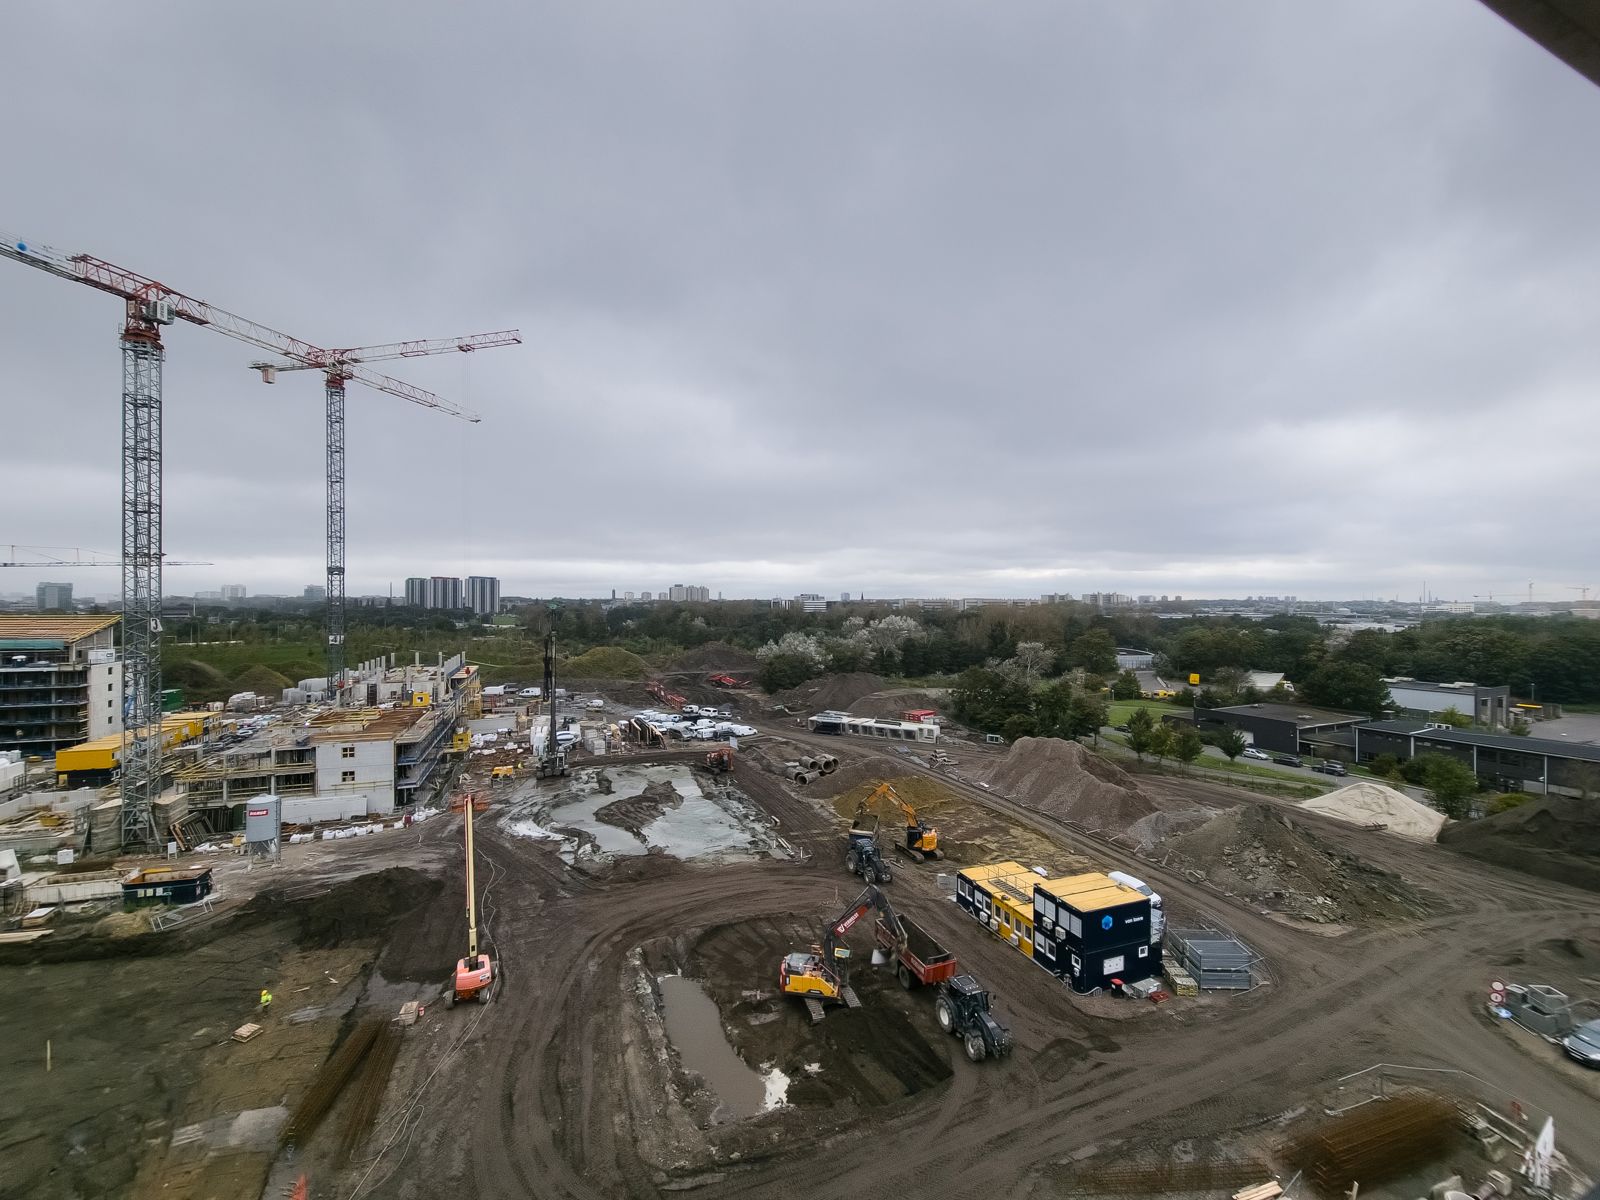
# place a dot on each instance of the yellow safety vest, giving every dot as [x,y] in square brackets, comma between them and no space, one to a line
[266,997]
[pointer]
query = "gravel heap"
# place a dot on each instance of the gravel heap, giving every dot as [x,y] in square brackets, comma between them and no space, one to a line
[1270,859]
[1368,803]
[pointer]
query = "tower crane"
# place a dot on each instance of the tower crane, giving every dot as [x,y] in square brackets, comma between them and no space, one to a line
[336,367]
[148,306]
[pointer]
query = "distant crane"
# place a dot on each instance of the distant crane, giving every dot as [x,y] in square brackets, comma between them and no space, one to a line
[1584,592]
[149,305]
[50,560]
[336,367]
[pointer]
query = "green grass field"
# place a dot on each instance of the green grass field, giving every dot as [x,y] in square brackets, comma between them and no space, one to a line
[1121,710]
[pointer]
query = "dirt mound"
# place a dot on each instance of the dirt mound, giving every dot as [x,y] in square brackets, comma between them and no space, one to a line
[1367,803]
[635,812]
[716,656]
[890,704]
[201,682]
[873,1042]
[605,662]
[873,769]
[1274,861]
[1161,827]
[262,680]
[358,908]
[837,692]
[1066,781]
[1553,837]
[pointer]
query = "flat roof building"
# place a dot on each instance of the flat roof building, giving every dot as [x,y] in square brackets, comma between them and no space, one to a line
[1486,706]
[1522,764]
[60,681]
[1280,727]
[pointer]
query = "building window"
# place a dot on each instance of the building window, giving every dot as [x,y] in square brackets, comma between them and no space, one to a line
[347,776]
[347,751]
[1114,963]
[1144,951]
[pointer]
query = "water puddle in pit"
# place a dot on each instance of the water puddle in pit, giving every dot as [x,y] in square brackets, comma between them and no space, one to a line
[716,824]
[695,1028]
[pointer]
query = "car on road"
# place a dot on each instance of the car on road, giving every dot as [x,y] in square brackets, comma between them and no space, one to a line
[1287,760]
[1583,1043]
[1120,728]
[1331,767]
[1252,752]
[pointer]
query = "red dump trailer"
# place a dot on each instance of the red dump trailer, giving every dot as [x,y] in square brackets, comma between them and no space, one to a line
[923,960]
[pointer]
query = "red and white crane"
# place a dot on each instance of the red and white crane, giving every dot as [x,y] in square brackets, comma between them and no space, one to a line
[149,305]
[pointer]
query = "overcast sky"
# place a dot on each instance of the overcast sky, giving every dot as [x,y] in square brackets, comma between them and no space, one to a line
[904,298]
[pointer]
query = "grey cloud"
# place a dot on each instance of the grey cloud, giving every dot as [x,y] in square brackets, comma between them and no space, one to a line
[897,297]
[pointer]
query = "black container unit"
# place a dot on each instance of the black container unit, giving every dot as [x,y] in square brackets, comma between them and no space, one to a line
[1091,930]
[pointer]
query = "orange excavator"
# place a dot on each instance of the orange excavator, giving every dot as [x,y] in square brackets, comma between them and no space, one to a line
[475,972]
[921,840]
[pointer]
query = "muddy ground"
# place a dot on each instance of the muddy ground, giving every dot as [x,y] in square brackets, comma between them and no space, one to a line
[563,1085]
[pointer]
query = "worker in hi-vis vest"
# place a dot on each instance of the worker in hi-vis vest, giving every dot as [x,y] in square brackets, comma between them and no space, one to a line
[266,1001]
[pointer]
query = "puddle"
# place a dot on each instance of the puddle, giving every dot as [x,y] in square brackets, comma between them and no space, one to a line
[715,821]
[695,1029]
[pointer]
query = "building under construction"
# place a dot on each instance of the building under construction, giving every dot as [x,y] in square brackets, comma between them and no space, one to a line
[390,752]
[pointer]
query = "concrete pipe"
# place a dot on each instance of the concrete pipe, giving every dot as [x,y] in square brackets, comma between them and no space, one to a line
[803,776]
[830,764]
[809,763]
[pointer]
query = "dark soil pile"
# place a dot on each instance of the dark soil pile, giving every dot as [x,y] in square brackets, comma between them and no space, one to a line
[836,692]
[717,657]
[263,681]
[364,907]
[1275,862]
[1553,837]
[890,704]
[880,1054]
[635,812]
[1068,782]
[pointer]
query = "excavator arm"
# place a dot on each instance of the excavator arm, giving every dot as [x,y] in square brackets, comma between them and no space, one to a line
[870,898]
[921,839]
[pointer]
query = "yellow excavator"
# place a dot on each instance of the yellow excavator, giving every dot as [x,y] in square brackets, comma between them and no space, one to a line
[821,975]
[921,840]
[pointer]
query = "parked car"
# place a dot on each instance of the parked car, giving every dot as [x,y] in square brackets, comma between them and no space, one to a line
[1331,767]
[1287,760]
[1252,752]
[1120,728]
[1583,1043]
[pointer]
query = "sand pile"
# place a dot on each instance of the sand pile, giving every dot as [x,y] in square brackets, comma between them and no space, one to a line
[1554,837]
[890,704]
[1366,803]
[837,692]
[1066,781]
[717,656]
[1272,860]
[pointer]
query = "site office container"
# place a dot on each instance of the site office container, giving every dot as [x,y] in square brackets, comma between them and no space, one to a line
[1001,896]
[1092,929]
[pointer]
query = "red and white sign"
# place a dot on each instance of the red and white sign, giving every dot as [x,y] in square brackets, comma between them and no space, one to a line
[1497,997]
[1496,986]
[258,812]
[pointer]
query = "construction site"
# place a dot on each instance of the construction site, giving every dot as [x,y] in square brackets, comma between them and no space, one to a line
[681,971]
[397,935]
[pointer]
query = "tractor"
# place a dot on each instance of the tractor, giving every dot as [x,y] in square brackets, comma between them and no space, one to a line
[963,1011]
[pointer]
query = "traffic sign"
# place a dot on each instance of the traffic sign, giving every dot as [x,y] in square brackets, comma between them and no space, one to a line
[1497,997]
[1497,986]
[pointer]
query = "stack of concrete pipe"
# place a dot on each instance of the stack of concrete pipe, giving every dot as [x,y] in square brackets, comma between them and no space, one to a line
[819,764]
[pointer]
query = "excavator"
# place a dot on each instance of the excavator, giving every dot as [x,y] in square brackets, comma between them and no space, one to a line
[821,976]
[921,839]
[720,761]
[475,972]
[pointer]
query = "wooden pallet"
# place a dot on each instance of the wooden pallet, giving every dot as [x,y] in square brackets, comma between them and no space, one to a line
[1182,982]
[246,1031]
